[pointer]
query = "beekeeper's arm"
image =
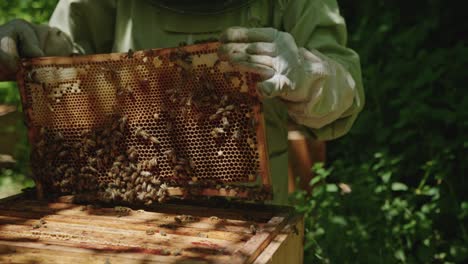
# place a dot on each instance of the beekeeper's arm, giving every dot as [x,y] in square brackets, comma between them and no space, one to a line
[307,65]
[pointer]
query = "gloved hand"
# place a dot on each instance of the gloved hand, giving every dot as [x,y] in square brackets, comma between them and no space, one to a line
[21,39]
[273,55]
[316,89]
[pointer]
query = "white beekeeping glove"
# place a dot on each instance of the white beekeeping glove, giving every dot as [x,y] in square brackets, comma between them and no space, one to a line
[317,90]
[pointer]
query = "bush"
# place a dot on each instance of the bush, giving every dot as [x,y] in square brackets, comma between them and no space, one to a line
[405,158]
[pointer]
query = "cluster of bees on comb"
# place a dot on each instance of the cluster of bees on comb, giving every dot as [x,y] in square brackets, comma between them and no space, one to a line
[78,166]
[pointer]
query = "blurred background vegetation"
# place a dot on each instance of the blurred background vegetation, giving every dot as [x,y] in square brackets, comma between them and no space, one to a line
[405,160]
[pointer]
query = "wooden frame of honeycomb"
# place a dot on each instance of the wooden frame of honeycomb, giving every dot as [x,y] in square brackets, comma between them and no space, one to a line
[143,126]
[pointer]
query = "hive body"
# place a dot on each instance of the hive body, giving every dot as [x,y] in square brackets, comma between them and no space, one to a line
[145,126]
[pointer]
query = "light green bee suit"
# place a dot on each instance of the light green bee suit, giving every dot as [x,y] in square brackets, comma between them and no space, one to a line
[105,26]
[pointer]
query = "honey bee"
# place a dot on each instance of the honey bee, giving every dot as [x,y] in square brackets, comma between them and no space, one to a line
[253,123]
[225,122]
[141,133]
[236,134]
[88,168]
[121,158]
[59,136]
[230,107]
[224,99]
[112,72]
[122,123]
[170,154]
[90,142]
[31,77]
[213,117]
[131,149]
[251,143]
[154,140]
[219,111]
[41,143]
[126,90]
[152,163]
[42,131]
[191,164]
[115,170]
[133,156]
[133,177]
[100,152]
[155,181]
[141,195]
[63,153]
[189,101]
[214,134]
[179,167]
[228,76]
[180,55]
[130,54]
[184,111]
[59,170]
[216,131]
[146,173]
[253,229]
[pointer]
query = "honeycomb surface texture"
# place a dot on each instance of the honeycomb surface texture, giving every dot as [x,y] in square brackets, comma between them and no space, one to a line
[143,126]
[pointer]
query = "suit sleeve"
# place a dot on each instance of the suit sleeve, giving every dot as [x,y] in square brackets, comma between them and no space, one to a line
[320,31]
[89,23]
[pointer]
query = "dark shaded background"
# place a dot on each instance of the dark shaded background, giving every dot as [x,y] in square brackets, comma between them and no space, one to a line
[406,158]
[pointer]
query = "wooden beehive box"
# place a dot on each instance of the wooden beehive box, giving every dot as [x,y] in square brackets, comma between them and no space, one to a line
[61,231]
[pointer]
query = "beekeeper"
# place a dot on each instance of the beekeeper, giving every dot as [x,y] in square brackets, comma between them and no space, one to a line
[298,47]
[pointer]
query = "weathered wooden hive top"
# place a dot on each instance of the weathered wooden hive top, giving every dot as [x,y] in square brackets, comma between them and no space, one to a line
[34,231]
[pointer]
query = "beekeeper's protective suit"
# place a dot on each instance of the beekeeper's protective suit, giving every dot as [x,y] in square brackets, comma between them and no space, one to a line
[297,46]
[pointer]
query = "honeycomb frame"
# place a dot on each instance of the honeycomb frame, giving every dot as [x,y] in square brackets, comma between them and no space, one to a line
[161,103]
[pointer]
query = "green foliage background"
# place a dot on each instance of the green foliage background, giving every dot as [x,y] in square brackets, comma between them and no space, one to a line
[405,159]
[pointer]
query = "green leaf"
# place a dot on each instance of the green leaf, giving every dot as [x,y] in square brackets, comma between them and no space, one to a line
[386,176]
[400,255]
[331,188]
[399,186]
[339,220]
[314,181]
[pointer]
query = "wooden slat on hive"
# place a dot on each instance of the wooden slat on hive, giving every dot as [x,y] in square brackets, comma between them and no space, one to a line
[28,252]
[232,210]
[74,229]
